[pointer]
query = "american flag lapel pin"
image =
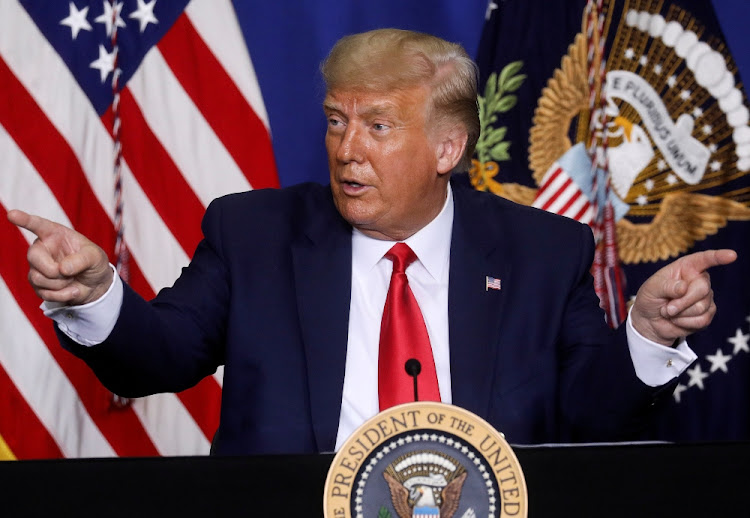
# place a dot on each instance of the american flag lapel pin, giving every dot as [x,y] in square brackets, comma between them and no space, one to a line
[491,283]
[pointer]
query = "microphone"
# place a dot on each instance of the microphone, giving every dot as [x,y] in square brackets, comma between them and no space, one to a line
[413,368]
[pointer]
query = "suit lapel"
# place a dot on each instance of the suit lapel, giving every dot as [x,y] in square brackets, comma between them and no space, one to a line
[322,270]
[474,312]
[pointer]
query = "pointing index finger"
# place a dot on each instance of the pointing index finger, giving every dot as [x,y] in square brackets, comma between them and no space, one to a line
[699,262]
[36,224]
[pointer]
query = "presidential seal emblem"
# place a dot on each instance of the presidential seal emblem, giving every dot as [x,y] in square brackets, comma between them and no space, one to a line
[425,459]
[664,113]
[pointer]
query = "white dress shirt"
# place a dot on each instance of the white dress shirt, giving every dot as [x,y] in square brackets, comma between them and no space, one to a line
[654,363]
[371,276]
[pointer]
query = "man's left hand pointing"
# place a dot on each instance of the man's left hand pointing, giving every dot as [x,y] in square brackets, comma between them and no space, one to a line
[677,300]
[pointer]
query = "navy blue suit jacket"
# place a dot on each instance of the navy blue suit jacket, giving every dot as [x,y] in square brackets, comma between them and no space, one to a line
[267,294]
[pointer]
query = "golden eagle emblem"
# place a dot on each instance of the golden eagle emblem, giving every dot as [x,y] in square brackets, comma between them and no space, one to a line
[425,483]
[675,123]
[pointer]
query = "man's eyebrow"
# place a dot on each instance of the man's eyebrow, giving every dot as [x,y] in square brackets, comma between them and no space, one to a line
[382,109]
[386,108]
[386,111]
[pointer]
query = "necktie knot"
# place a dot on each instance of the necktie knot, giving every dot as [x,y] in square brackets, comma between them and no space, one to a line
[402,256]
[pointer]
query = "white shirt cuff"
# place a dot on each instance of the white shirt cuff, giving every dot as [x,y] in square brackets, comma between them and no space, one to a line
[89,324]
[656,364]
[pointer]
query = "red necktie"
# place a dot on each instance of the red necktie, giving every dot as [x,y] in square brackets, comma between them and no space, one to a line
[403,335]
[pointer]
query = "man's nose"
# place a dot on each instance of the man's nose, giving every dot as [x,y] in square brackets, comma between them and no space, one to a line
[350,148]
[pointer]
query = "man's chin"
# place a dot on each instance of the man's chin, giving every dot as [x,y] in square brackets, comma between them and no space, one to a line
[357,219]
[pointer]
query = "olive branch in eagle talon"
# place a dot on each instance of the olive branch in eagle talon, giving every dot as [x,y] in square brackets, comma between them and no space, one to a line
[492,147]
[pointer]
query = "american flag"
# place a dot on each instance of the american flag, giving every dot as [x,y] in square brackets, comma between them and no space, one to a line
[189,125]
[492,283]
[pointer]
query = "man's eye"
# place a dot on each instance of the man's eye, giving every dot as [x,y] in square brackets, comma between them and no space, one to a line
[379,127]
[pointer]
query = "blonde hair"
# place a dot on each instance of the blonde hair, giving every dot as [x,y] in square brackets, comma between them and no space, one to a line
[392,59]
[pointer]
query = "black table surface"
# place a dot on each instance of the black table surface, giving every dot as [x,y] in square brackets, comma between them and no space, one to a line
[602,481]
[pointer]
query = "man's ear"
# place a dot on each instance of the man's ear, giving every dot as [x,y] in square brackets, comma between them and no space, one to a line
[450,149]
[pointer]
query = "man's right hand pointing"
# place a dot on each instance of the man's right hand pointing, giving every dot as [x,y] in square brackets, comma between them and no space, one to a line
[65,266]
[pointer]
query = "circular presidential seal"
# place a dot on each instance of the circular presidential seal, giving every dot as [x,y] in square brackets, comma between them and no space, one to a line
[425,459]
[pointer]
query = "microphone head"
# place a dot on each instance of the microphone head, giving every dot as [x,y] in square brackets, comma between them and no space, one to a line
[413,367]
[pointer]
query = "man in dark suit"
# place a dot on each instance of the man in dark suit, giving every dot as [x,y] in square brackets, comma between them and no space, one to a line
[287,287]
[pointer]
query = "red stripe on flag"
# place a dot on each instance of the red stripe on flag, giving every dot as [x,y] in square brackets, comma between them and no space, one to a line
[136,280]
[219,100]
[551,178]
[121,427]
[21,429]
[203,401]
[557,194]
[159,177]
[581,212]
[570,202]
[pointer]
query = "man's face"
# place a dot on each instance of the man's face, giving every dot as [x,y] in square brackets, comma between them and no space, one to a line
[383,161]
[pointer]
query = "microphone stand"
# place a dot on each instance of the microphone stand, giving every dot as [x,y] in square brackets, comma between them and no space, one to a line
[413,368]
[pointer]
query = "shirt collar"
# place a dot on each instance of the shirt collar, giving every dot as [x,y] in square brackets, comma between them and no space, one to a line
[431,244]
